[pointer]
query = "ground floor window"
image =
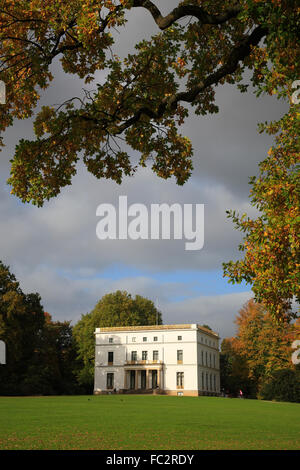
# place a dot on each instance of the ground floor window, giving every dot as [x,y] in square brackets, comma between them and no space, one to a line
[180,379]
[110,380]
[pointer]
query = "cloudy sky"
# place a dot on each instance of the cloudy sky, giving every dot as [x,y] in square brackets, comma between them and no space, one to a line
[54,250]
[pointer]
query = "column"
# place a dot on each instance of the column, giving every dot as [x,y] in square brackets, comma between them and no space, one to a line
[136,379]
[147,378]
[158,378]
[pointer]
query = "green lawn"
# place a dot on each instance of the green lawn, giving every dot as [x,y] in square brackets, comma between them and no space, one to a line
[147,422]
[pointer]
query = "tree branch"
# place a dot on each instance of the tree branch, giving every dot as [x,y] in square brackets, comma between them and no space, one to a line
[239,52]
[164,22]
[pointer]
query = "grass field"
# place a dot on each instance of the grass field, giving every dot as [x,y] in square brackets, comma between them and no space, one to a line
[147,422]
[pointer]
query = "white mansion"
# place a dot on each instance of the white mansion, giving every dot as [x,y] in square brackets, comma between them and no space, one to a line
[166,359]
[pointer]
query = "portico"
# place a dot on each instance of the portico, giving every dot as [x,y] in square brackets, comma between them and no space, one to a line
[143,377]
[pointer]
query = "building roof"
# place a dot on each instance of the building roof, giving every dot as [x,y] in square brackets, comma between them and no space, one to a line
[184,326]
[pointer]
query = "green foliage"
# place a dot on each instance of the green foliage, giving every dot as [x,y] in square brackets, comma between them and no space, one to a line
[283,385]
[41,354]
[271,243]
[115,309]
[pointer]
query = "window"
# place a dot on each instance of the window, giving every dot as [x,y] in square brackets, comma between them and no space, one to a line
[210,364]
[155,338]
[214,361]
[203,385]
[202,359]
[110,340]
[206,361]
[179,379]
[133,355]
[110,357]
[134,339]
[110,381]
[179,338]
[144,355]
[144,339]
[180,356]
[155,355]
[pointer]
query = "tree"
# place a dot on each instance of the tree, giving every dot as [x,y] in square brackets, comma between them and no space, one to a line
[264,344]
[271,242]
[56,365]
[41,355]
[234,371]
[144,99]
[116,309]
[283,385]
[147,96]
[21,326]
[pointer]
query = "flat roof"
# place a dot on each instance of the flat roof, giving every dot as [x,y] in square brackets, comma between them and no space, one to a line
[184,326]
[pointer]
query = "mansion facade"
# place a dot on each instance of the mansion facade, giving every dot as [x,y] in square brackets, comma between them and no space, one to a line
[164,359]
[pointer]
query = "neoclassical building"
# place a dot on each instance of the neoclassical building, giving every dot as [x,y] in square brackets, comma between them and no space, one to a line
[166,359]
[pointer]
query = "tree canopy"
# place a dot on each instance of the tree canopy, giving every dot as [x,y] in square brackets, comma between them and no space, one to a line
[271,242]
[41,355]
[261,349]
[145,97]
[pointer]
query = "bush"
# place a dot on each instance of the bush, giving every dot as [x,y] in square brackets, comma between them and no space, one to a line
[283,385]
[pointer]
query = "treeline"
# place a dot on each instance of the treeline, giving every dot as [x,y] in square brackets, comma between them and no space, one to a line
[46,357]
[258,360]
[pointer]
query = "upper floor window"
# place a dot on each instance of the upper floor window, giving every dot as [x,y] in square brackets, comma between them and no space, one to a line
[179,338]
[110,340]
[155,355]
[110,357]
[134,355]
[144,338]
[155,338]
[144,355]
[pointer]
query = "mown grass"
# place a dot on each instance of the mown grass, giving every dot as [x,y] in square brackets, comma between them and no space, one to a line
[147,422]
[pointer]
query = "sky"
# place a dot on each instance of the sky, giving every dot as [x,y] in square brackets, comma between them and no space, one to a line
[54,250]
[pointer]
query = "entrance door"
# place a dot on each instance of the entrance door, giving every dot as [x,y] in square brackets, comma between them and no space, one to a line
[143,379]
[154,378]
[132,379]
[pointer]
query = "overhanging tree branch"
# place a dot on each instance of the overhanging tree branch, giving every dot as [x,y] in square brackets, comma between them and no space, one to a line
[164,22]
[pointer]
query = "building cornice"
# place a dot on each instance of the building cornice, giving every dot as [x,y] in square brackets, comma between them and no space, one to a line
[189,326]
